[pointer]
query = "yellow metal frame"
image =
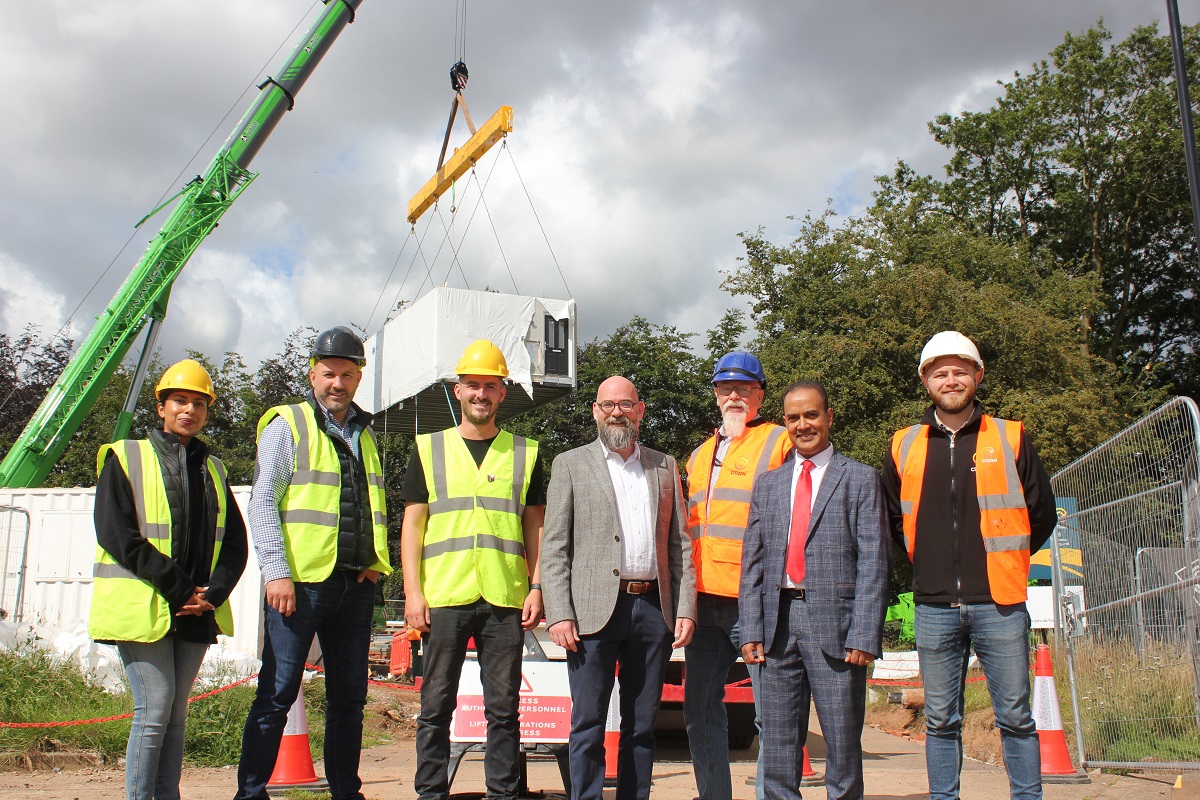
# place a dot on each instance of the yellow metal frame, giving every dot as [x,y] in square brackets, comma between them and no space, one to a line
[461,161]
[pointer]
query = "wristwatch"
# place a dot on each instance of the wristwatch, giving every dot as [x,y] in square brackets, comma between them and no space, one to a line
[533,586]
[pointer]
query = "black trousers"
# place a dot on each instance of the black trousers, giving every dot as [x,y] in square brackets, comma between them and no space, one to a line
[498,643]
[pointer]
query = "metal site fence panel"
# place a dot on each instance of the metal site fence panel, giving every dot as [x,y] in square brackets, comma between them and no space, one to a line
[14,534]
[1127,593]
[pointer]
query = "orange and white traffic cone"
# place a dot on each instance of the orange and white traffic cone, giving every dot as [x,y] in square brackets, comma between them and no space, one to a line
[808,775]
[294,764]
[1056,761]
[612,737]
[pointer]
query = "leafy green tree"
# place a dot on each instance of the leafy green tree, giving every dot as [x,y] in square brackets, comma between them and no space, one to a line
[1082,161]
[670,378]
[852,305]
[29,366]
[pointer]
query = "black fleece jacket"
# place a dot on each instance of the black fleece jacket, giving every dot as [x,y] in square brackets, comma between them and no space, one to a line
[949,561]
[193,520]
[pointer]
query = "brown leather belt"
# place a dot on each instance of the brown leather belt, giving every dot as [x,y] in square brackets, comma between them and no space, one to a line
[638,587]
[793,594]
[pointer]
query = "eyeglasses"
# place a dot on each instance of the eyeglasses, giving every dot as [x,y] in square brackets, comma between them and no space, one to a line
[743,389]
[608,406]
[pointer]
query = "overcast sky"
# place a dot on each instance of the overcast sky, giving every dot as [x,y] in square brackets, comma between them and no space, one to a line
[648,135]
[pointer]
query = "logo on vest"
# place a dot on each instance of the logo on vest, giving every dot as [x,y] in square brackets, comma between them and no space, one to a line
[741,466]
[986,456]
[491,478]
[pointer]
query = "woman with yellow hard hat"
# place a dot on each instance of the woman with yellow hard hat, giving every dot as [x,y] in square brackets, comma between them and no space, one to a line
[171,545]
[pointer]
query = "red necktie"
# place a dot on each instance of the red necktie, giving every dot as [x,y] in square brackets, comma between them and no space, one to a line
[801,513]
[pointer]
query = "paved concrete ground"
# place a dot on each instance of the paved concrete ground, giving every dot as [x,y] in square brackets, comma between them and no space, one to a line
[895,769]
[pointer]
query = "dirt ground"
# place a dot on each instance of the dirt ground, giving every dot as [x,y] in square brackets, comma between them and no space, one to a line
[893,764]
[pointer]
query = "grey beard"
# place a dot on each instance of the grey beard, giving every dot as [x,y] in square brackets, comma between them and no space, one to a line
[733,422]
[617,437]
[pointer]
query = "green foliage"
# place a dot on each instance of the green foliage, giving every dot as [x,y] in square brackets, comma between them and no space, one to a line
[29,366]
[670,378]
[35,686]
[853,305]
[1082,161]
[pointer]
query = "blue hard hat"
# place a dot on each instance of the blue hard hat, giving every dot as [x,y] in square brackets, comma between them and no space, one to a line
[739,366]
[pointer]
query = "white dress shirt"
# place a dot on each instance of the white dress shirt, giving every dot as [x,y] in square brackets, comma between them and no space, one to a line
[820,462]
[633,511]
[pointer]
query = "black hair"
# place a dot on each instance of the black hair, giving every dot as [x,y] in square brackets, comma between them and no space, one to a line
[816,386]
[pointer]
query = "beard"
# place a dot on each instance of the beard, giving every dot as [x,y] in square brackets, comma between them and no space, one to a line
[952,404]
[617,433]
[477,417]
[335,402]
[733,419]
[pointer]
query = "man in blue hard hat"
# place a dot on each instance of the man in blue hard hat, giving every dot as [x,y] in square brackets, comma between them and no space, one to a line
[721,474]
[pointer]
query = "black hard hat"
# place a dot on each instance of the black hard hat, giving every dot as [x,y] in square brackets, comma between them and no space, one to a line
[339,342]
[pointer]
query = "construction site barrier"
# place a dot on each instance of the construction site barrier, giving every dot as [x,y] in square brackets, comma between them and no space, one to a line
[1126,565]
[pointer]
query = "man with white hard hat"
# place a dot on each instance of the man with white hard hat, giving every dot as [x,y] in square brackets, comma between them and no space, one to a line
[969,501]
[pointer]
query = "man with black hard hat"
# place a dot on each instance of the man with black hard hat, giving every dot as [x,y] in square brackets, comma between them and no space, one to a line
[319,524]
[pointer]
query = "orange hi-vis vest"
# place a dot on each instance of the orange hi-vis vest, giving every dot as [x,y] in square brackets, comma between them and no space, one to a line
[1003,514]
[717,520]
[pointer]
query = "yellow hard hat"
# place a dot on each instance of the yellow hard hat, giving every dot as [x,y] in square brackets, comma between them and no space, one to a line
[187,375]
[482,358]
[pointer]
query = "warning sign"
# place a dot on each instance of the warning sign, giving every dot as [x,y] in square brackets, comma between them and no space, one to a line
[545,704]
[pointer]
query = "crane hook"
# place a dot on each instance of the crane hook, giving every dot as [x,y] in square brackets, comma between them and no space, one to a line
[458,76]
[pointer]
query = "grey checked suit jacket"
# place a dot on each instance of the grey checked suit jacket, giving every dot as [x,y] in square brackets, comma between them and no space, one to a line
[847,558]
[581,554]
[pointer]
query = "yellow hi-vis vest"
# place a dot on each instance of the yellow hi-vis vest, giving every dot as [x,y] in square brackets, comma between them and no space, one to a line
[1003,513]
[474,545]
[717,523]
[125,607]
[312,501]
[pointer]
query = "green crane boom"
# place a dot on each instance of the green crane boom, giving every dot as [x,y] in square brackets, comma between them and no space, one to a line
[145,293]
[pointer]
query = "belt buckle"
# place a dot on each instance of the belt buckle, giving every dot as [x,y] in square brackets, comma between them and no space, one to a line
[637,587]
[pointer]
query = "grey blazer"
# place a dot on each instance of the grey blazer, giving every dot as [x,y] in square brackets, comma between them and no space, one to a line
[581,551]
[847,558]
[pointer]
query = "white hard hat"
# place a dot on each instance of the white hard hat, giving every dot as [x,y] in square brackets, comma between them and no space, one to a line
[948,343]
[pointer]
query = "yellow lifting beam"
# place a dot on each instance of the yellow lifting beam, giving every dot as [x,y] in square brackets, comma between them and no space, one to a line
[461,161]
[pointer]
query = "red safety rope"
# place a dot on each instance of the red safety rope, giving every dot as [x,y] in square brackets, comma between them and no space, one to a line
[68,723]
[907,684]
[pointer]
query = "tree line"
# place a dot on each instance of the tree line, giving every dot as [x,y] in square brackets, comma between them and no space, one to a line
[1059,239]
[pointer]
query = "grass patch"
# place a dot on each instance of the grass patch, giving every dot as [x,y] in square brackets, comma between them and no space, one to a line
[1135,706]
[37,686]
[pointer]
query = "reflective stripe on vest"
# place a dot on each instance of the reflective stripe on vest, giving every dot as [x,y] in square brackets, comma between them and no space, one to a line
[125,607]
[1003,514]
[474,544]
[312,500]
[717,519]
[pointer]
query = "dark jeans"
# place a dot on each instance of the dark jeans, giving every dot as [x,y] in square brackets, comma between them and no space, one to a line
[715,648]
[637,638]
[498,643]
[338,611]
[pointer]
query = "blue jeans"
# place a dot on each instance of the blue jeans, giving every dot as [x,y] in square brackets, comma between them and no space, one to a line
[637,638]
[1000,635]
[161,675]
[714,648]
[338,612]
[499,644]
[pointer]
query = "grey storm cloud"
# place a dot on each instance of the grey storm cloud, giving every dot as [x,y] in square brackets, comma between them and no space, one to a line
[647,134]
